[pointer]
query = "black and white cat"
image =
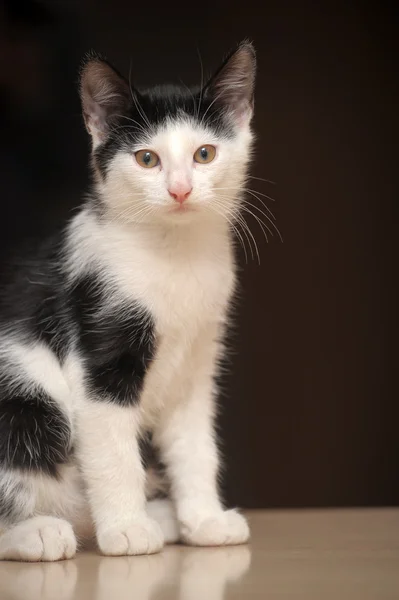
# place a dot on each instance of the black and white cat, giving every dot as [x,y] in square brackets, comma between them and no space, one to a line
[112,329]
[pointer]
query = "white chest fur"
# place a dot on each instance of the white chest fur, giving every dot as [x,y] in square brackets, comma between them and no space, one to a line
[184,286]
[183,276]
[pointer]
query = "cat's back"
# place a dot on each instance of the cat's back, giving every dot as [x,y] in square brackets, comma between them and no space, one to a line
[32,289]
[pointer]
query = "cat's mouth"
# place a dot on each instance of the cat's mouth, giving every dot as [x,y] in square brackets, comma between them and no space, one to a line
[182,208]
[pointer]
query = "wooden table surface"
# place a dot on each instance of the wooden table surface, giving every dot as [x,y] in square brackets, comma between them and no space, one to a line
[310,554]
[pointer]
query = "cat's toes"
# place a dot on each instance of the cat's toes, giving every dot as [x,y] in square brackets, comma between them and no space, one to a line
[142,537]
[39,539]
[224,529]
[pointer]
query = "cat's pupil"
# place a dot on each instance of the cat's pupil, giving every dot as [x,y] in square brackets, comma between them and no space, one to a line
[147,158]
[204,153]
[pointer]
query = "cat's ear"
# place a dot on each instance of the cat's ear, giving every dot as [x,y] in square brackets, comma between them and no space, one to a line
[104,94]
[233,84]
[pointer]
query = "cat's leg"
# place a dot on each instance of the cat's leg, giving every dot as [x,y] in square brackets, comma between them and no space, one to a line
[34,441]
[109,455]
[186,438]
[29,504]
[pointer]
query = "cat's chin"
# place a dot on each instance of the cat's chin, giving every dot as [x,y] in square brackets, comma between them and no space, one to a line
[182,214]
[182,209]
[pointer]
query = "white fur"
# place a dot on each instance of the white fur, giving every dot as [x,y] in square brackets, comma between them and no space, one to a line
[179,266]
[42,369]
[39,538]
[135,193]
[164,513]
[25,503]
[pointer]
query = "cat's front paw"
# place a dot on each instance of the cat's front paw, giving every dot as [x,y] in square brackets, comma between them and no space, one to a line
[38,539]
[141,537]
[226,528]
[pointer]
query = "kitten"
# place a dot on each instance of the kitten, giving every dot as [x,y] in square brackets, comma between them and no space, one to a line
[112,329]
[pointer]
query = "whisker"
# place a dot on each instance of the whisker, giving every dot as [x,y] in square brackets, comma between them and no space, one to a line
[152,210]
[202,82]
[135,99]
[131,213]
[237,233]
[191,94]
[211,104]
[226,210]
[244,207]
[142,113]
[133,137]
[246,230]
[268,218]
[246,227]
[263,204]
[137,125]
[260,193]
[255,195]
[252,192]
[262,179]
[262,225]
[137,104]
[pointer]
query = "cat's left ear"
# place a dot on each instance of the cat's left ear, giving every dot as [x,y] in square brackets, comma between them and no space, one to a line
[233,84]
[104,94]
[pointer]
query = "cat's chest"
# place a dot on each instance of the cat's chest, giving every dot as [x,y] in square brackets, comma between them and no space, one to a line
[179,291]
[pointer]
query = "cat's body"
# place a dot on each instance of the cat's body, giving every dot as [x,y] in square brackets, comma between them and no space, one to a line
[112,329]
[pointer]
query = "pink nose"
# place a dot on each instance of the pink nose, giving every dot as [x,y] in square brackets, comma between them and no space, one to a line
[180,194]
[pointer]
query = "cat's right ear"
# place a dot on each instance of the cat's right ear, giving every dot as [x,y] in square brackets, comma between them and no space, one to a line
[104,94]
[232,86]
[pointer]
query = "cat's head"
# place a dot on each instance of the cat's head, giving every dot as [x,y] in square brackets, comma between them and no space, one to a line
[170,152]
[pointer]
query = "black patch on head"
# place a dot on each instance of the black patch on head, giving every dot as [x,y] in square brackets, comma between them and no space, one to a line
[153,107]
[117,344]
[120,116]
[34,434]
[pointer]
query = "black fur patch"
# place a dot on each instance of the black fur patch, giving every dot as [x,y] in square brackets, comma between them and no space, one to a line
[149,455]
[153,108]
[32,293]
[117,345]
[34,434]
[151,460]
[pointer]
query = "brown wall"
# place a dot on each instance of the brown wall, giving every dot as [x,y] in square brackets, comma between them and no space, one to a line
[308,413]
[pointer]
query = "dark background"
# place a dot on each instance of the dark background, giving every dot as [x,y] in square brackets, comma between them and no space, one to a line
[309,410]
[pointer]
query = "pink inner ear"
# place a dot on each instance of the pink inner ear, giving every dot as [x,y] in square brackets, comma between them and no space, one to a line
[234,84]
[104,94]
[244,116]
[95,118]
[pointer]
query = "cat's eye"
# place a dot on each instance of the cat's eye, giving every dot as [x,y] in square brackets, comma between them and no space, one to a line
[205,154]
[147,159]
